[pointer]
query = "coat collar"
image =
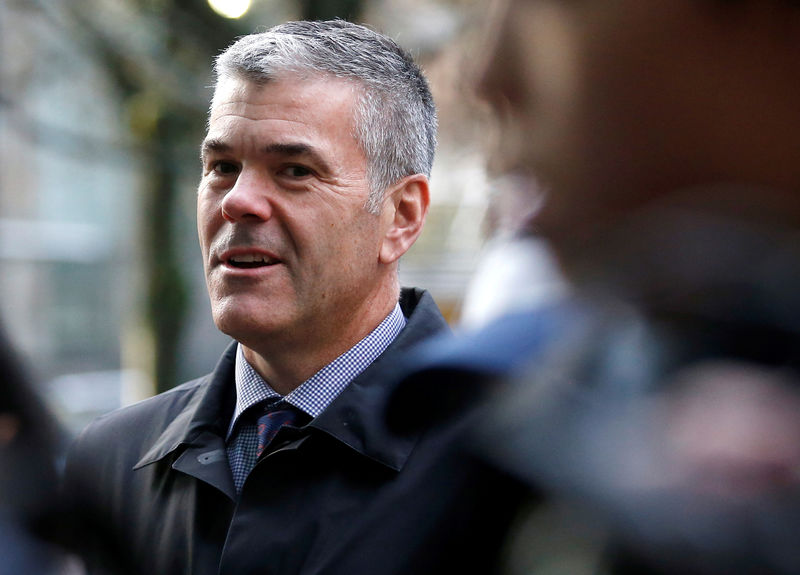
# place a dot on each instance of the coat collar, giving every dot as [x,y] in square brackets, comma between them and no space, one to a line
[355,418]
[205,410]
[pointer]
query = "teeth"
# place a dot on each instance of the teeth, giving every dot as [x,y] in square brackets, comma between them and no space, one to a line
[246,258]
[251,259]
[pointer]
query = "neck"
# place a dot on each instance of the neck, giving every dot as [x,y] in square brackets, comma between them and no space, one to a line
[288,361]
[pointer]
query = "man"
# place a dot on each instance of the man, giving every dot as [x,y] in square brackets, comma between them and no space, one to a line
[320,141]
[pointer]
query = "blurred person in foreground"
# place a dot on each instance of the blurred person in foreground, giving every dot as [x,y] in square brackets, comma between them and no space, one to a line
[38,534]
[28,481]
[320,141]
[666,135]
[658,421]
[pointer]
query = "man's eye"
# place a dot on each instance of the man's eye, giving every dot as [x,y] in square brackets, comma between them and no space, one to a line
[224,168]
[296,171]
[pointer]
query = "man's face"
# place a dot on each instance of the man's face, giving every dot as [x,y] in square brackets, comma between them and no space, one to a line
[600,99]
[289,251]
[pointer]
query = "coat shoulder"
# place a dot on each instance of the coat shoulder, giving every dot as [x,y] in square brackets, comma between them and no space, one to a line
[147,412]
[118,438]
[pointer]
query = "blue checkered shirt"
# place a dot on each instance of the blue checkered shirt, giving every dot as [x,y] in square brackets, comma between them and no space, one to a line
[311,397]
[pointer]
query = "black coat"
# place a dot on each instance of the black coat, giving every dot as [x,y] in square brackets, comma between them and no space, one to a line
[455,511]
[158,470]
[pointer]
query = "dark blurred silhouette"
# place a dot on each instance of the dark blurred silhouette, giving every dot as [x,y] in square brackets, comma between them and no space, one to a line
[41,533]
[27,473]
[653,411]
[666,136]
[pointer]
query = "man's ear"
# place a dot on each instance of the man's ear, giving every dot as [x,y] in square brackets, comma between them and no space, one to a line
[405,206]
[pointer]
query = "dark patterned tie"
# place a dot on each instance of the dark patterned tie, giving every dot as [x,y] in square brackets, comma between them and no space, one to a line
[276,416]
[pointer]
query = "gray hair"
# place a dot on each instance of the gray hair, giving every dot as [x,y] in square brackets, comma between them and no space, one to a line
[394,118]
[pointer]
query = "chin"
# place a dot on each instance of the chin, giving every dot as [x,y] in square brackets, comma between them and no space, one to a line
[228,325]
[236,320]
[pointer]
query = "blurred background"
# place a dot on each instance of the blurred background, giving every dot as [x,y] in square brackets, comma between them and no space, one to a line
[102,109]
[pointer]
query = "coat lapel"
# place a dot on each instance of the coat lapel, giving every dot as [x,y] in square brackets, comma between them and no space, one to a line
[357,417]
[194,440]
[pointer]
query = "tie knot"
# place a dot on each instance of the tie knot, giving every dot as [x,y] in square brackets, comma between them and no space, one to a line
[274,416]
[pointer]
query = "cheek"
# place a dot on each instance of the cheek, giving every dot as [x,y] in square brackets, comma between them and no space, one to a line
[354,243]
[207,216]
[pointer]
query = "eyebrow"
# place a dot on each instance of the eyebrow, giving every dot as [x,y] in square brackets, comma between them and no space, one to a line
[297,150]
[285,149]
[212,145]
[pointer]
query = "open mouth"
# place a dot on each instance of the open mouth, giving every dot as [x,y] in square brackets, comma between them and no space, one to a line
[248,261]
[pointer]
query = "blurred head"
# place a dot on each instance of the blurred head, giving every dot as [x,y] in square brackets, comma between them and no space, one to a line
[395,117]
[615,104]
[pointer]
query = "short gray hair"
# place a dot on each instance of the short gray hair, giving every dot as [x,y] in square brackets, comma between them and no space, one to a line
[395,116]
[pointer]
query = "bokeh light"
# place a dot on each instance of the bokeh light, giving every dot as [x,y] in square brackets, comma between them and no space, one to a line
[230,8]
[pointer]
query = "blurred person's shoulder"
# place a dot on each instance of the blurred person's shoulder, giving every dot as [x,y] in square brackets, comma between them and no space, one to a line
[456,371]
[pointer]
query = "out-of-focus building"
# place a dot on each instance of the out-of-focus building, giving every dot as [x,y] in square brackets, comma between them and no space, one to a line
[67,206]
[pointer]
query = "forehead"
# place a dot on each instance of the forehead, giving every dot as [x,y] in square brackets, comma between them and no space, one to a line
[310,118]
[316,110]
[291,97]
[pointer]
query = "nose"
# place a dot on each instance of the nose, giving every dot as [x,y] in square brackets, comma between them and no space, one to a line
[248,199]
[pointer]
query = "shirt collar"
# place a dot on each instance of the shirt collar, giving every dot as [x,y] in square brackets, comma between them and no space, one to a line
[317,392]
